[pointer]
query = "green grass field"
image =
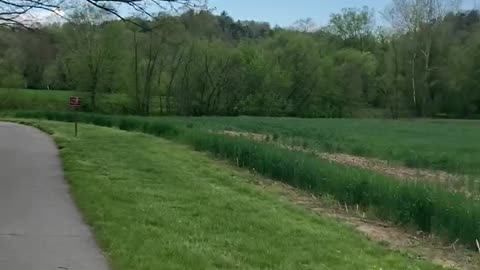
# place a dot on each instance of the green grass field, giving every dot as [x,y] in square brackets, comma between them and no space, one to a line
[57,100]
[21,99]
[425,206]
[154,204]
[450,145]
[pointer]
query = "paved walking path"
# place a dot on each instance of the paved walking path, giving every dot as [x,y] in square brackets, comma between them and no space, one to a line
[40,228]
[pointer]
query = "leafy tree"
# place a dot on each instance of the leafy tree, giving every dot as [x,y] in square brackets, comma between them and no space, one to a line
[88,51]
[353,70]
[355,26]
[198,63]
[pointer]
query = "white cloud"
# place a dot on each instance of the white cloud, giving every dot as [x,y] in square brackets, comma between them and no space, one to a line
[42,17]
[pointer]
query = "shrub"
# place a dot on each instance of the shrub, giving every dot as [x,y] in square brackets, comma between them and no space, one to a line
[129,124]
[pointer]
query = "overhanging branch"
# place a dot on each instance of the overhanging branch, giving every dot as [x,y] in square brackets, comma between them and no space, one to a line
[18,13]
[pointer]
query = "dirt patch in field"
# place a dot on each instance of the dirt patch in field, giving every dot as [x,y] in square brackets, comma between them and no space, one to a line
[249,135]
[385,168]
[414,244]
[372,164]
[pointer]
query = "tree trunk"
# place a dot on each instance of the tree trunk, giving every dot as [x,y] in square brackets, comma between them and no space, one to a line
[93,86]
[175,66]
[395,101]
[426,76]
[135,59]
[414,89]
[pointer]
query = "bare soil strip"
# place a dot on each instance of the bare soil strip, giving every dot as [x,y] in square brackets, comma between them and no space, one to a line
[410,242]
[413,243]
[372,164]
[385,168]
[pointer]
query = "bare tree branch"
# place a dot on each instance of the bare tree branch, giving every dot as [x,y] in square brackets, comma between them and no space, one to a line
[22,13]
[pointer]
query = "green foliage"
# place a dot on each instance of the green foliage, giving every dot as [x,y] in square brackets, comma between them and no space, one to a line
[198,63]
[355,26]
[12,80]
[427,206]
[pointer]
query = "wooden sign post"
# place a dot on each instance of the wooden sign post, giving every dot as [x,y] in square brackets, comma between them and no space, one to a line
[75,103]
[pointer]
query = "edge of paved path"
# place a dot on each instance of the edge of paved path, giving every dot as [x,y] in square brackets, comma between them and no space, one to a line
[41,227]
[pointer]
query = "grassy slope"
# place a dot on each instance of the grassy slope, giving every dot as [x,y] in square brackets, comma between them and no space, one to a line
[56,100]
[13,99]
[440,144]
[157,205]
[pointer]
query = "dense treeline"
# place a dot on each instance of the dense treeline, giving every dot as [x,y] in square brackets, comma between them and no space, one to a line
[426,62]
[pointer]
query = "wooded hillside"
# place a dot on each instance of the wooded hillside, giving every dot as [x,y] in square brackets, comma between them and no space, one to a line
[424,62]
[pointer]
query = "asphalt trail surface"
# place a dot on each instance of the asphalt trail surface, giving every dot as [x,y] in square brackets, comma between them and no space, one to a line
[40,227]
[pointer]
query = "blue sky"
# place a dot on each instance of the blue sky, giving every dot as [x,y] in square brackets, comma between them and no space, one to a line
[286,12]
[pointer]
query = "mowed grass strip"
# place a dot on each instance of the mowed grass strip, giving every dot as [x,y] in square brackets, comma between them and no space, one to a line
[58,100]
[154,204]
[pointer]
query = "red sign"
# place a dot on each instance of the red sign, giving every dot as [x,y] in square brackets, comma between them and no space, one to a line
[75,101]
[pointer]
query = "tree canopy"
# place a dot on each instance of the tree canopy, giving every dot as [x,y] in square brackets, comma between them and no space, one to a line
[424,63]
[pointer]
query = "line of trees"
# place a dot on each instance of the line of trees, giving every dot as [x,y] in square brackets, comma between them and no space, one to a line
[425,63]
